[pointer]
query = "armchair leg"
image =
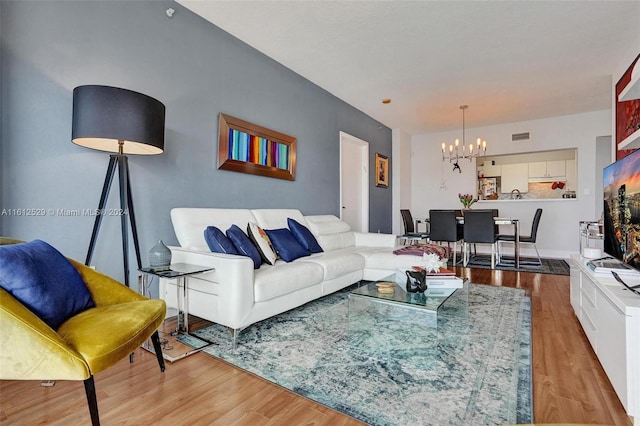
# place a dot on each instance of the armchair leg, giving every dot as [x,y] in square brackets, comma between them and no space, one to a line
[90,390]
[157,348]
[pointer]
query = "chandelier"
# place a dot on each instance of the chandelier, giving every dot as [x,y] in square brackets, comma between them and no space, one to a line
[455,151]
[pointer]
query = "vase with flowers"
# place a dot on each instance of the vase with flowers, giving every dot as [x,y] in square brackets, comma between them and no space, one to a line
[467,200]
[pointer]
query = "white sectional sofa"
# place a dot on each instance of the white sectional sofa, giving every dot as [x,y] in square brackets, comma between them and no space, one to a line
[236,295]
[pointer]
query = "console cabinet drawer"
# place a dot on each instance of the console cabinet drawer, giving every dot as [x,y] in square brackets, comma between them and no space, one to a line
[611,322]
[589,291]
[588,322]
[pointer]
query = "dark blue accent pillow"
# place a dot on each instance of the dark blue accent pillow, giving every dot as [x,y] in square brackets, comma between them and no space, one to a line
[286,245]
[218,242]
[243,245]
[304,236]
[44,281]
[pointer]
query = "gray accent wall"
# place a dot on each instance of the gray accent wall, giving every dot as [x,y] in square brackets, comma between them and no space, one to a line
[194,68]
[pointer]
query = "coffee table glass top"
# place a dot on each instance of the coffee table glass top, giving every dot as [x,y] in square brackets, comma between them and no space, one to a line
[430,300]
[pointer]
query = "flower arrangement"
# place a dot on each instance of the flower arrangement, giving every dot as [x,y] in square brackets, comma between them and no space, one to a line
[466,200]
[433,262]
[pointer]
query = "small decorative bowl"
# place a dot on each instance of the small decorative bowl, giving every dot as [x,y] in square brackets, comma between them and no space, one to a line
[386,287]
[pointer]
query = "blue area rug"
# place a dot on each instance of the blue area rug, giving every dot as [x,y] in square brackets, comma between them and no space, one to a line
[387,366]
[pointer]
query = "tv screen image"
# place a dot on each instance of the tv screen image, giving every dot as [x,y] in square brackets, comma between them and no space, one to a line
[621,184]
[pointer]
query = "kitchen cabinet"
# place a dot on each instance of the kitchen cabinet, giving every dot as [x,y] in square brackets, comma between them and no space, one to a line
[492,170]
[543,171]
[571,173]
[514,176]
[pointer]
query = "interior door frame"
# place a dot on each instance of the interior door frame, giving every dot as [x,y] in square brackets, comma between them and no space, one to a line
[363,147]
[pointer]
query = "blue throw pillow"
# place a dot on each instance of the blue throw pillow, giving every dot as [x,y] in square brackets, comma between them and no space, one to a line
[218,242]
[286,245]
[243,245]
[44,281]
[304,236]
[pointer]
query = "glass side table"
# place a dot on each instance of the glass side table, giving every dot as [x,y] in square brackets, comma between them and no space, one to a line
[181,272]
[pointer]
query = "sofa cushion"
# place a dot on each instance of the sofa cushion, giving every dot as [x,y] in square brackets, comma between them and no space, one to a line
[262,242]
[286,245]
[304,236]
[383,258]
[276,218]
[338,263]
[331,232]
[44,281]
[285,278]
[189,222]
[326,225]
[243,245]
[218,242]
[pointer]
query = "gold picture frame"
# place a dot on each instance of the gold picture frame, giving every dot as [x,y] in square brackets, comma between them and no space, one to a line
[382,171]
[248,148]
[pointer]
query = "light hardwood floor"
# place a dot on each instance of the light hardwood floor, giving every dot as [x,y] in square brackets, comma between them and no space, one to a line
[569,385]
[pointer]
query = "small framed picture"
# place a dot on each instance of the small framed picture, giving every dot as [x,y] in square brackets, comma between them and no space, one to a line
[382,171]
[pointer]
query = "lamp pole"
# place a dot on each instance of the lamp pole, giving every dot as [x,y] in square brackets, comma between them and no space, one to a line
[120,161]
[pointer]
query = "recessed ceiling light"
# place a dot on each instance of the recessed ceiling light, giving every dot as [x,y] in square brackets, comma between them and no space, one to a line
[386,101]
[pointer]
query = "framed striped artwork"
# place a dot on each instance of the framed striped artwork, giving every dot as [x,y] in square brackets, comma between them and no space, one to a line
[248,148]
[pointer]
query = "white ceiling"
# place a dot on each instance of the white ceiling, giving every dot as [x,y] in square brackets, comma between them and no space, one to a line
[509,61]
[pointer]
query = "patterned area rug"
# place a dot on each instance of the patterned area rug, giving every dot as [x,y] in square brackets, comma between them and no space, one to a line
[385,366]
[527,264]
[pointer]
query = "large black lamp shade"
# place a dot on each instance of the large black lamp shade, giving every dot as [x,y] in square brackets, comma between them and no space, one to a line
[122,122]
[107,118]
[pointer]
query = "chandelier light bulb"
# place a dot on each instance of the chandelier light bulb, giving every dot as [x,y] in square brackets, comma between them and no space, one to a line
[480,149]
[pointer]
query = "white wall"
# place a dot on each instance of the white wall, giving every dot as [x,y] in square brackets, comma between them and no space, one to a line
[435,185]
[400,177]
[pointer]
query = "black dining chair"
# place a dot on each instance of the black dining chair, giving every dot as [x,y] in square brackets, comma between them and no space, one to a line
[410,235]
[479,228]
[524,239]
[443,227]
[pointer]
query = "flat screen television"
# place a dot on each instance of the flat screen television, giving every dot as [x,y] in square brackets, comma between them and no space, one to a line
[621,210]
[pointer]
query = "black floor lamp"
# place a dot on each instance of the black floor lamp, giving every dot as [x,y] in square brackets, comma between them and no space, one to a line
[124,122]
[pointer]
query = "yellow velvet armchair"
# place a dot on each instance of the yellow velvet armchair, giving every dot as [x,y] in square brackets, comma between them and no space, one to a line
[83,345]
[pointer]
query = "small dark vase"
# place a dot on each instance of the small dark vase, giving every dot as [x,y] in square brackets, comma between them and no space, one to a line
[416,281]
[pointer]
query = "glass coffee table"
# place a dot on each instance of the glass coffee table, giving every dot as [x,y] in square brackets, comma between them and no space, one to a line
[427,305]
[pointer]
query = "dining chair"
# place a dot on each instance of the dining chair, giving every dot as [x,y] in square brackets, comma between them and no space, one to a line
[479,228]
[443,227]
[524,239]
[410,235]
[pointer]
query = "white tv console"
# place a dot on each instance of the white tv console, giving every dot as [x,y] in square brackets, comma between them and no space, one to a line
[610,317]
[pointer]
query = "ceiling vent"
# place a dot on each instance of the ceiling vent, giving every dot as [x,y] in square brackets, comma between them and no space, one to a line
[519,137]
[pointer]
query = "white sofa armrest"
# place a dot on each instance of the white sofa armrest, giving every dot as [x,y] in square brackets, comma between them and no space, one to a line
[370,239]
[234,275]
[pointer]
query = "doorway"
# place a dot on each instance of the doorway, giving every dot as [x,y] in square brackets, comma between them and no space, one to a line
[354,182]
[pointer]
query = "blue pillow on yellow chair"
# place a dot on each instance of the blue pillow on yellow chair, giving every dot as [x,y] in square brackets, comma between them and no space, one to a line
[44,281]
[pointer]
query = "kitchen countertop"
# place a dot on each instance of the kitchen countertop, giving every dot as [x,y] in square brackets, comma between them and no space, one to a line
[524,200]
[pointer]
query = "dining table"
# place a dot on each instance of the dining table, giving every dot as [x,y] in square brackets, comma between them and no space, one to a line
[501,221]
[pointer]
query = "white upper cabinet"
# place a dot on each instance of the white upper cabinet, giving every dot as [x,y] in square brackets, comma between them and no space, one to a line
[514,176]
[542,171]
[572,181]
[492,170]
